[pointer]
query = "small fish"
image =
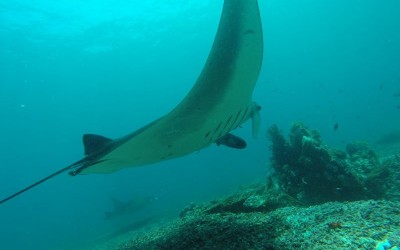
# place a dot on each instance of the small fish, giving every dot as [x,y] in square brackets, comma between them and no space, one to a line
[396,95]
[336,126]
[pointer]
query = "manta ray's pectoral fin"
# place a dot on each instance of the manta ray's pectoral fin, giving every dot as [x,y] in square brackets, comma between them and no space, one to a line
[94,143]
[231,141]
[256,120]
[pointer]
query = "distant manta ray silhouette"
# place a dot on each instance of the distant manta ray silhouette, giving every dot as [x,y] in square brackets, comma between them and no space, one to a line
[219,101]
[122,208]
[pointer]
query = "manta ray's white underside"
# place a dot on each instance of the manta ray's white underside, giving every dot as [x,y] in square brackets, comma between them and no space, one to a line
[219,102]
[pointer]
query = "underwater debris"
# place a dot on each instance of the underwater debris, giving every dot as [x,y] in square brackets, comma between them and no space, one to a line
[307,169]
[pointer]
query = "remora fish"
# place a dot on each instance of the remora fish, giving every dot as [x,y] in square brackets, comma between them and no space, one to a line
[220,101]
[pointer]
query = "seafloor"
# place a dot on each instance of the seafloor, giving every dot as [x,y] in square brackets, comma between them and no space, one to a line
[333,225]
[317,198]
[353,225]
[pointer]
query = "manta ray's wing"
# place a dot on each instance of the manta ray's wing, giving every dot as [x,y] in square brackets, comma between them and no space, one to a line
[219,102]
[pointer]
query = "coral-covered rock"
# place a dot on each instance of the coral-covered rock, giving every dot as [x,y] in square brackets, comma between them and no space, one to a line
[307,169]
[353,225]
[391,185]
[254,198]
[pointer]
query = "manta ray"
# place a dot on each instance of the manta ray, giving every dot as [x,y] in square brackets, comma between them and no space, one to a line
[132,206]
[219,102]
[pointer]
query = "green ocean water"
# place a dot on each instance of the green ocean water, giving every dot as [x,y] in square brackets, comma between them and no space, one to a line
[108,67]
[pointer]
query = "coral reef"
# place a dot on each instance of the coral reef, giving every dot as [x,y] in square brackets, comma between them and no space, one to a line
[363,225]
[392,184]
[307,169]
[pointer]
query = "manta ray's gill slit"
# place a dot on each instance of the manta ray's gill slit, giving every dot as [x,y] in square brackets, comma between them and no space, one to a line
[220,134]
[243,117]
[220,131]
[224,130]
[215,131]
[169,152]
[240,121]
[227,122]
[210,138]
[234,121]
[211,135]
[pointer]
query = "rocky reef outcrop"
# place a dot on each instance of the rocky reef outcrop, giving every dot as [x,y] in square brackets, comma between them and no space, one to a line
[353,225]
[311,172]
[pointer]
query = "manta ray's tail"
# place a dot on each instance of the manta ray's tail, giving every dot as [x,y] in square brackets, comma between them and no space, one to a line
[41,181]
[91,144]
